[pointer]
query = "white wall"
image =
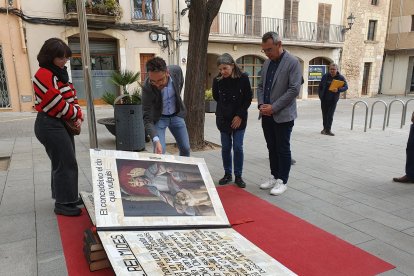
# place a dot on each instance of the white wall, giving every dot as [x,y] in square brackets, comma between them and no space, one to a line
[395,74]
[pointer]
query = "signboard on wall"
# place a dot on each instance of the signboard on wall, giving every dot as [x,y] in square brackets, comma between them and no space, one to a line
[316,72]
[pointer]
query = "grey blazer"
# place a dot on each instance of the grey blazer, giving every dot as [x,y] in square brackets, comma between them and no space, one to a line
[285,88]
[152,100]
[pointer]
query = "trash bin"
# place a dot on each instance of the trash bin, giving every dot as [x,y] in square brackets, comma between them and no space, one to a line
[129,127]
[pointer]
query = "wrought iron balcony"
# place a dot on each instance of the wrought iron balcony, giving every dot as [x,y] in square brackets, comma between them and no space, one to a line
[239,25]
[96,10]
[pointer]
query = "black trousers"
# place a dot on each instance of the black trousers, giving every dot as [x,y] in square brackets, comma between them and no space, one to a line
[60,147]
[409,163]
[277,136]
[328,111]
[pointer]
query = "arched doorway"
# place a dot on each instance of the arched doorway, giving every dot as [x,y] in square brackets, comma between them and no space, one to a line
[252,65]
[317,68]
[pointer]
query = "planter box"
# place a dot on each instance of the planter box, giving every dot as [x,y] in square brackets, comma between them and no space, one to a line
[210,106]
[129,127]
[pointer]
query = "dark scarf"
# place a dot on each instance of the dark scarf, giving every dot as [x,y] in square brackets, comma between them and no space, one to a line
[60,73]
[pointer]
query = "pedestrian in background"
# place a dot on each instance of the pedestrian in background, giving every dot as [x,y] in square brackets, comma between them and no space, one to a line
[281,79]
[56,102]
[233,93]
[409,162]
[329,96]
[163,107]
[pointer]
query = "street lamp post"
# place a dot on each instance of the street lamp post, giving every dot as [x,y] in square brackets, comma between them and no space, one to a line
[350,20]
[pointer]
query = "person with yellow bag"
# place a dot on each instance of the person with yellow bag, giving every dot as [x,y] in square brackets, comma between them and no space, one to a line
[330,86]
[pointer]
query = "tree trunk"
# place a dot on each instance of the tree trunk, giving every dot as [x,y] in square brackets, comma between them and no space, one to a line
[201,15]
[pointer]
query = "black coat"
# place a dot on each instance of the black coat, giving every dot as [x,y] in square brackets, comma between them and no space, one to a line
[324,93]
[233,97]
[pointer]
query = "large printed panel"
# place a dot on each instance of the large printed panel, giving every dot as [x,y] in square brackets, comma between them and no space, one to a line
[187,252]
[142,190]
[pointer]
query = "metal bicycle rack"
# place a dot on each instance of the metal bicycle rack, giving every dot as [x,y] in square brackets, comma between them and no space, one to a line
[402,114]
[405,111]
[385,113]
[366,114]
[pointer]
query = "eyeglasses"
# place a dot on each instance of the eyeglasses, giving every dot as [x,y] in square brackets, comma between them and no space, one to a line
[159,81]
[268,50]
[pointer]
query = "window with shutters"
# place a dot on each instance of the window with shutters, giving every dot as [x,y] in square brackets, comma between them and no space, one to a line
[372,25]
[291,15]
[324,21]
[253,21]
[374,2]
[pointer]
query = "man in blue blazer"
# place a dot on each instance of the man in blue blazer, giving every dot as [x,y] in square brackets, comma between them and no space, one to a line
[281,79]
[163,107]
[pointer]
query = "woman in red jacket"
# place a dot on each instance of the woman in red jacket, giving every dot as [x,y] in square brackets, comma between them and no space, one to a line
[56,102]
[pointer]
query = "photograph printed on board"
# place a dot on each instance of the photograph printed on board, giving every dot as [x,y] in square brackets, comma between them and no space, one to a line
[154,188]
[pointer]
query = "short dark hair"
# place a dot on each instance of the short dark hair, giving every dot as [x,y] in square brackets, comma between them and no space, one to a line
[156,64]
[273,36]
[51,49]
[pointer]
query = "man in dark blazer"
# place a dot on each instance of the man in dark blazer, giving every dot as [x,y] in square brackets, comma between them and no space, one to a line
[163,107]
[329,98]
[409,162]
[281,79]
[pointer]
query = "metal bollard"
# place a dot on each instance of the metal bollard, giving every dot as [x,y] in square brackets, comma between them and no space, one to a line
[402,114]
[366,114]
[385,113]
[405,111]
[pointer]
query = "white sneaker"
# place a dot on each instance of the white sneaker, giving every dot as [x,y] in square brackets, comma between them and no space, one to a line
[268,184]
[279,188]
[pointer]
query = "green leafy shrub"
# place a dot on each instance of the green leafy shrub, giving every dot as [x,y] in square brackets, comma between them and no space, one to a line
[208,95]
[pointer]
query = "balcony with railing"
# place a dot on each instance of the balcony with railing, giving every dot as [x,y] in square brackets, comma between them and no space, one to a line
[96,10]
[247,26]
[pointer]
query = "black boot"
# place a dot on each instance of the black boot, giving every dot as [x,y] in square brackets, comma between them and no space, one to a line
[226,179]
[78,202]
[239,182]
[70,209]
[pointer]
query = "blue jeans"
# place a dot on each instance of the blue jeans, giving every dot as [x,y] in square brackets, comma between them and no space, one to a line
[277,136]
[236,137]
[178,129]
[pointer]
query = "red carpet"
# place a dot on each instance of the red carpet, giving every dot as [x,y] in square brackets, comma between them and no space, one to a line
[298,245]
[71,233]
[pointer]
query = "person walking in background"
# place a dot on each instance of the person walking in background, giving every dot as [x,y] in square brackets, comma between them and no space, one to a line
[409,162]
[232,91]
[163,106]
[329,96]
[281,78]
[56,102]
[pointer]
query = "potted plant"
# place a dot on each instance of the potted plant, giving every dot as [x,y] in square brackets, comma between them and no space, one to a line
[209,102]
[127,121]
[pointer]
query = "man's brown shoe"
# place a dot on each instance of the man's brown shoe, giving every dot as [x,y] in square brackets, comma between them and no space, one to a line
[403,179]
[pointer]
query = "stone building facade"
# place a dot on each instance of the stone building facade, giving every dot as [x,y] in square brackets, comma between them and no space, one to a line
[363,51]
